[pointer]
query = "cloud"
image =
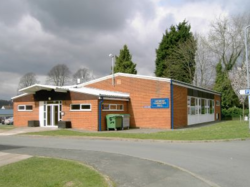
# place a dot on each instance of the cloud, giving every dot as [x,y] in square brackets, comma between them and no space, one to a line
[38,34]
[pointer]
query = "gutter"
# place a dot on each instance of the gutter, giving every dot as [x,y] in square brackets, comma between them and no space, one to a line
[100,114]
[172,103]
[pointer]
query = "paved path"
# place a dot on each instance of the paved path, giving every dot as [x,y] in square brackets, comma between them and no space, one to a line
[21,130]
[8,158]
[224,163]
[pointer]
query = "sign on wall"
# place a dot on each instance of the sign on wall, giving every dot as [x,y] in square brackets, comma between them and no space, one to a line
[160,103]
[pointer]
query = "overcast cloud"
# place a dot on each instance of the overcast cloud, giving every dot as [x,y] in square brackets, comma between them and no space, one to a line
[38,34]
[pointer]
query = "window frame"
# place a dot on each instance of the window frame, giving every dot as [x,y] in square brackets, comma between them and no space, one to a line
[111,104]
[25,108]
[80,107]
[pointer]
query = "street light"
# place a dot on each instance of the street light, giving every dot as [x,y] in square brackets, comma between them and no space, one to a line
[113,79]
[247,72]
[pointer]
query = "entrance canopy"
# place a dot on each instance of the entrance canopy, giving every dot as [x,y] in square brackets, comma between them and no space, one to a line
[104,94]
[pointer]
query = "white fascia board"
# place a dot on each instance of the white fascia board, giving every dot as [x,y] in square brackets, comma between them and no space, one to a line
[15,97]
[125,75]
[196,88]
[97,92]
[37,87]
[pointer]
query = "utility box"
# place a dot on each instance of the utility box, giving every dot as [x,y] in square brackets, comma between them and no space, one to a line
[114,121]
[64,124]
[33,123]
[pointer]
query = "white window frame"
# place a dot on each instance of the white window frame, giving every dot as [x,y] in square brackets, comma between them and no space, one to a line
[217,103]
[23,110]
[113,109]
[80,109]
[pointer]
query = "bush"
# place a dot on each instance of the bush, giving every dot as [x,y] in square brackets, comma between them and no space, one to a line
[233,112]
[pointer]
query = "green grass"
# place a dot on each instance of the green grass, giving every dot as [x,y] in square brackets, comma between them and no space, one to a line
[6,127]
[219,131]
[48,172]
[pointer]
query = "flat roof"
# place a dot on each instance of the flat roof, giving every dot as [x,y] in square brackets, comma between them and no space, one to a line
[175,82]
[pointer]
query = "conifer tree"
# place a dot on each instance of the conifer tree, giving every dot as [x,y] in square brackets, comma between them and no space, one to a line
[223,85]
[175,57]
[124,62]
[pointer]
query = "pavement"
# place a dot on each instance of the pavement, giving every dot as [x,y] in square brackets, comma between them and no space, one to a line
[20,130]
[8,158]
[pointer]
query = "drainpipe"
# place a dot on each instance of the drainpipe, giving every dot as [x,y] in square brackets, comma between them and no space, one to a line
[100,114]
[172,104]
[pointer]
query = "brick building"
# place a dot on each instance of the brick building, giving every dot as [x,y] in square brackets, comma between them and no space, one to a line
[152,102]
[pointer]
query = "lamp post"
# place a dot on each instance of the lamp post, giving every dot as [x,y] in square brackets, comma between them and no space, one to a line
[247,72]
[113,79]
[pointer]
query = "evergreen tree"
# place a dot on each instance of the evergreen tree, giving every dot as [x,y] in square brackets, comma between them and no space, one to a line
[171,59]
[124,62]
[223,85]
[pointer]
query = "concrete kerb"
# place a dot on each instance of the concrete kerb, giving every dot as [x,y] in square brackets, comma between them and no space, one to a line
[137,140]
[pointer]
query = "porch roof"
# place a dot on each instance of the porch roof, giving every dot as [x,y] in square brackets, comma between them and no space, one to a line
[91,91]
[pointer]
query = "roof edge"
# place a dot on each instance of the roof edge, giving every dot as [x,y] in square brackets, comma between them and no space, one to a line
[125,75]
[183,84]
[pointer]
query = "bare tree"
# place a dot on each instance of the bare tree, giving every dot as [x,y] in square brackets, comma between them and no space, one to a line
[83,75]
[59,75]
[226,40]
[205,63]
[27,80]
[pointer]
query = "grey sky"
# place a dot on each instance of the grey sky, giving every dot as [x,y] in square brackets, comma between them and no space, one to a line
[38,34]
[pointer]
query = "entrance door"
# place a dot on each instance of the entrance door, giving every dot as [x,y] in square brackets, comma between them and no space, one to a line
[52,114]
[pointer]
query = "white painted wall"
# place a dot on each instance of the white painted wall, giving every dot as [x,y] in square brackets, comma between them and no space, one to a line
[41,113]
[200,118]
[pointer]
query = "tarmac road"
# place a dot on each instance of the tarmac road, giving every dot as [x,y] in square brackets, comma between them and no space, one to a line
[224,163]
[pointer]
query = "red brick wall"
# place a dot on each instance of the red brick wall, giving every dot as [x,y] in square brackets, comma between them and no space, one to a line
[141,91]
[81,119]
[217,108]
[21,118]
[180,106]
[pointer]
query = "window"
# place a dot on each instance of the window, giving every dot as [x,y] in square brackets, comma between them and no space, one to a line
[203,106]
[192,106]
[25,107]
[217,103]
[188,104]
[80,107]
[211,106]
[112,107]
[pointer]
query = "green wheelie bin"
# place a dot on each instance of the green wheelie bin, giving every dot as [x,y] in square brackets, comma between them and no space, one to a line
[114,121]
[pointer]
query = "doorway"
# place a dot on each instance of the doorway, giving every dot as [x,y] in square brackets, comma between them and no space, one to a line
[52,113]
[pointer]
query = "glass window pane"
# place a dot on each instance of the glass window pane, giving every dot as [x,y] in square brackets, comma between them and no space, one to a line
[21,107]
[113,107]
[85,107]
[192,106]
[203,106]
[105,106]
[75,107]
[119,107]
[29,107]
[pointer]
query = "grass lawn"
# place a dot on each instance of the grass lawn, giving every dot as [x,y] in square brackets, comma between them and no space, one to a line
[48,172]
[6,127]
[219,131]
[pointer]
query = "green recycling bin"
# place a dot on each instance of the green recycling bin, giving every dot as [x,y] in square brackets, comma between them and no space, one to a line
[114,121]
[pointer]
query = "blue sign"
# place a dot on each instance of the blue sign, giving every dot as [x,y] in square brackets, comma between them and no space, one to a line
[160,103]
[247,92]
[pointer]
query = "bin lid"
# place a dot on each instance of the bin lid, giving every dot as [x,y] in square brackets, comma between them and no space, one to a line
[113,115]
